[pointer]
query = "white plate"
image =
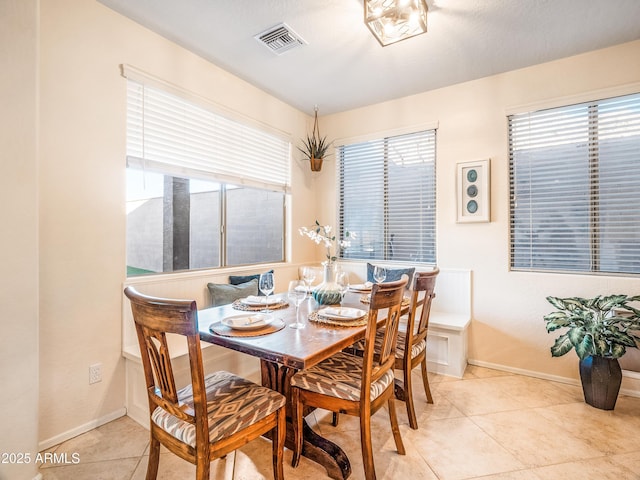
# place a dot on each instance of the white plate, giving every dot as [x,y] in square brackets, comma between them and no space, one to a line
[341,313]
[361,287]
[247,321]
[255,300]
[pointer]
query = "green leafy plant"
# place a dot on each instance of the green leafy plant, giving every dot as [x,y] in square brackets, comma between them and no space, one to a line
[315,147]
[602,326]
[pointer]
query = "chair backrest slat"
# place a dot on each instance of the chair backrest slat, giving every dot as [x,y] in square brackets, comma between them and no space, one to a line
[424,284]
[154,318]
[158,351]
[383,296]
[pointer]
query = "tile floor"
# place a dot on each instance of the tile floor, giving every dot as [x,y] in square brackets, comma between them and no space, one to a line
[491,425]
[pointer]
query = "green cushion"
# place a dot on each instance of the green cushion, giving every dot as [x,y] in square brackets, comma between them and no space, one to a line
[393,274]
[239,279]
[223,293]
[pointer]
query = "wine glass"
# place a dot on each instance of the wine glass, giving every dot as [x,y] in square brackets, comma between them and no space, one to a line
[379,274]
[266,285]
[308,276]
[342,279]
[296,294]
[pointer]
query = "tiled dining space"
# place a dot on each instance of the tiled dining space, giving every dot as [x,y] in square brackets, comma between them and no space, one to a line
[489,424]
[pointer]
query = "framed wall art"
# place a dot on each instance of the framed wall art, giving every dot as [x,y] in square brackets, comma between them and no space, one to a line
[473,191]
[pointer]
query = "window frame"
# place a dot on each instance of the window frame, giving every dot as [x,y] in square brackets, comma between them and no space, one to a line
[276,146]
[595,159]
[385,137]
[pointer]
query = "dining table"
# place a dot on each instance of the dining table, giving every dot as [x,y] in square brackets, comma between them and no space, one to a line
[286,351]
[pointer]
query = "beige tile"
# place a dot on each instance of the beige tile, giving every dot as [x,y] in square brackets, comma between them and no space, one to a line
[435,378]
[389,464]
[517,422]
[119,469]
[254,461]
[629,460]
[602,468]
[534,439]
[172,467]
[456,448]
[320,420]
[478,396]
[517,475]
[349,424]
[628,407]
[534,392]
[121,438]
[614,428]
[440,408]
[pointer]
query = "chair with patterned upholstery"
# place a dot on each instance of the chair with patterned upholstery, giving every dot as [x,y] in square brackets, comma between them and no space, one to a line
[212,416]
[413,341]
[354,385]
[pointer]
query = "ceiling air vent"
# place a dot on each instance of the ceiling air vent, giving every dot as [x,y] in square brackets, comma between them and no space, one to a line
[280,39]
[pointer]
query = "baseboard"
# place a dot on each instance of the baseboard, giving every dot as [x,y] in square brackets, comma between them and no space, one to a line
[80,429]
[630,374]
[554,378]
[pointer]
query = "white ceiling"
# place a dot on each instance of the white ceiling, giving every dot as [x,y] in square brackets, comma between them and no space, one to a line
[343,67]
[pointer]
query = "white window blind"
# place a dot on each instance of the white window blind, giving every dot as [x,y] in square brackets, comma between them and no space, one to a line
[575,187]
[387,197]
[170,134]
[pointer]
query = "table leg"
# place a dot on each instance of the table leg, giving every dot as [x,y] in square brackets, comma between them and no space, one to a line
[315,447]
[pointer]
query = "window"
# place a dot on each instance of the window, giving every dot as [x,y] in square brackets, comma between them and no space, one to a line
[388,198]
[575,187]
[203,190]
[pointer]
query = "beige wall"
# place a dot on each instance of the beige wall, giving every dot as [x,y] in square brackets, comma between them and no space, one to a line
[507,307]
[19,252]
[82,195]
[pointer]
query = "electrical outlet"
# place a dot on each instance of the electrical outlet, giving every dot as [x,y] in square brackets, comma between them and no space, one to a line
[95,373]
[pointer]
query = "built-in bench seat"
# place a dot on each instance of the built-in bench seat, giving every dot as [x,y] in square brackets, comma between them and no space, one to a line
[449,320]
[192,285]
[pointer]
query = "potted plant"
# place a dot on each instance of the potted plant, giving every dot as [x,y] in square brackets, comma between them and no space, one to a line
[315,147]
[599,329]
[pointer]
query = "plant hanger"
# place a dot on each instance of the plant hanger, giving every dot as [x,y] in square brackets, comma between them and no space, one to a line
[315,147]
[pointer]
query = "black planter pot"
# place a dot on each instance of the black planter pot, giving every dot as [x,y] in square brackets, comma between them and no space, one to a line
[601,378]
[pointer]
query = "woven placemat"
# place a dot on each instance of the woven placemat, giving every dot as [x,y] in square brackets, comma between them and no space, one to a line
[220,329]
[238,305]
[358,322]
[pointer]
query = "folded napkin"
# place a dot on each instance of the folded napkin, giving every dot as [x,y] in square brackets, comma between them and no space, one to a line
[346,312]
[257,300]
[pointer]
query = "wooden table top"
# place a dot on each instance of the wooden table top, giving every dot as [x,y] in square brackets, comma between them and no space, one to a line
[295,348]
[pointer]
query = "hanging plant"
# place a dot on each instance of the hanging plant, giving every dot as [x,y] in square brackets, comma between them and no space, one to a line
[315,147]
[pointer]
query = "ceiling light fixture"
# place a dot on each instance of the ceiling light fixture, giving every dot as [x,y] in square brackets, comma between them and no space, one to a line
[393,20]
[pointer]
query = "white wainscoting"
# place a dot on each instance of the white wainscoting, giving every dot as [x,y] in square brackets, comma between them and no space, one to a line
[187,285]
[450,317]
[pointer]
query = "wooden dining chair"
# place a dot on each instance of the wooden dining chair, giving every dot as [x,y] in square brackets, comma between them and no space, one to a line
[411,350]
[215,414]
[354,385]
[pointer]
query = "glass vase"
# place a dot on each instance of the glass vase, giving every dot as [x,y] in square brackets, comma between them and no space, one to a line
[328,292]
